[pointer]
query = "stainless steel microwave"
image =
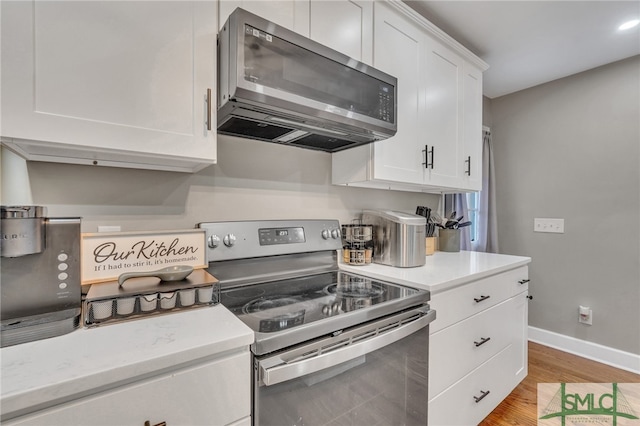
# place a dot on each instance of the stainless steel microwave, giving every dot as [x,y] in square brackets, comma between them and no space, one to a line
[278,86]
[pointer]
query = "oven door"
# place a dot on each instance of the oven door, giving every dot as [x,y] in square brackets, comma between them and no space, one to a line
[371,374]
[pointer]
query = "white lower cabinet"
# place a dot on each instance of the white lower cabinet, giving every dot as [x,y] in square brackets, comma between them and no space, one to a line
[477,348]
[214,392]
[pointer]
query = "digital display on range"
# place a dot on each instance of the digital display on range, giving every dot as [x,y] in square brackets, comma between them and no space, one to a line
[271,236]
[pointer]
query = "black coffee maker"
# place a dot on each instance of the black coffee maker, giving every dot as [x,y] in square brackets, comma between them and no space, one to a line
[40,275]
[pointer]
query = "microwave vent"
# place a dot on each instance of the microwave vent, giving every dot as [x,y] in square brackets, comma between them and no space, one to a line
[323,143]
[252,129]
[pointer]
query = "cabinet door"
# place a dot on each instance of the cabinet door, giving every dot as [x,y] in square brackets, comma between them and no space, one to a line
[472,128]
[117,83]
[443,114]
[398,46]
[344,25]
[215,393]
[291,14]
[520,337]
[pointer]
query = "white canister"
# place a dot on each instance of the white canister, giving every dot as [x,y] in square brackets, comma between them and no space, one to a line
[168,300]
[148,302]
[124,306]
[187,297]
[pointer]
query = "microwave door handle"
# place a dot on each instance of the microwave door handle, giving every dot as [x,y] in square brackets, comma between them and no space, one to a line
[282,373]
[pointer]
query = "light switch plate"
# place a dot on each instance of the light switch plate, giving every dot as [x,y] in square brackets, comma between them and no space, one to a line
[555,226]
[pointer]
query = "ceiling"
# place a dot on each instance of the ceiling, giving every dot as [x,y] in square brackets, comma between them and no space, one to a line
[527,43]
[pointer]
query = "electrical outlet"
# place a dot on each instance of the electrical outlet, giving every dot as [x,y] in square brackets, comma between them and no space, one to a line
[585,315]
[555,226]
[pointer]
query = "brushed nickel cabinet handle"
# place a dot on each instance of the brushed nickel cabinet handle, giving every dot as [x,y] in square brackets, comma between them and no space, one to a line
[481,397]
[209,109]
[482,341]
[478,300]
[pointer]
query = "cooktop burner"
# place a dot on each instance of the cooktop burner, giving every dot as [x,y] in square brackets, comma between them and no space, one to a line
[269,302]
[355,289]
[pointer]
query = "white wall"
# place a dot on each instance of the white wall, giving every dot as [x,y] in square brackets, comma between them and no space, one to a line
[570,149]
[252,180]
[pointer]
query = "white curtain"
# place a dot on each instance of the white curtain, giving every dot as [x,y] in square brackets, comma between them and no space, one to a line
[461,209]
[487,240]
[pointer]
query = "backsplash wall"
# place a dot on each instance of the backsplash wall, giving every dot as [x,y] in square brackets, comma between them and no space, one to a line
[252,180]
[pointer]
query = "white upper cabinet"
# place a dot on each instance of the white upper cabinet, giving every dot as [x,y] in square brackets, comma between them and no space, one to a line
[453,115]
[443,115]
[345,26]
[472,115]
[291,14]
[113,83]
[439,111]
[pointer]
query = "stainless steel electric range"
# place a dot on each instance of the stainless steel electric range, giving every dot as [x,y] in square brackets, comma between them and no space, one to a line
[331,347]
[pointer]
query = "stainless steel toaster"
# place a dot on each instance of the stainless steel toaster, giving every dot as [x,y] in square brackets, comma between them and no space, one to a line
[398,238]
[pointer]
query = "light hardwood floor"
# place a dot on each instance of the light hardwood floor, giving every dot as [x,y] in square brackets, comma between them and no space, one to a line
[547,365]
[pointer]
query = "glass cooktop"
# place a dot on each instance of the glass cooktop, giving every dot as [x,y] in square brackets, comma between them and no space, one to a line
[281,305]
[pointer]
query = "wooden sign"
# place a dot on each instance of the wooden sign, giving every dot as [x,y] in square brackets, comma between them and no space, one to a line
[107,255]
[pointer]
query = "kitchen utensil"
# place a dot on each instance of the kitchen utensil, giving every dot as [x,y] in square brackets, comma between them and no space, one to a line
[172,273]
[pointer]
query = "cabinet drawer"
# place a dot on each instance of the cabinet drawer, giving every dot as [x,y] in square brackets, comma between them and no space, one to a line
[458,405]
[459,303]
[217,392]
[459,349]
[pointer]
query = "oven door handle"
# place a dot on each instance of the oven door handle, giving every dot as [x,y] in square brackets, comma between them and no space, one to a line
[288,371]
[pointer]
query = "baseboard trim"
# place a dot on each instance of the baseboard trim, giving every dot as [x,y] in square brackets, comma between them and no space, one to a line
[594,351]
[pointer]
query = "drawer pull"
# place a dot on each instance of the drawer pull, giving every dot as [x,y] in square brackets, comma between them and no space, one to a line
[148,423]
[482,341]
[478,300]
[481,397]
[524,281]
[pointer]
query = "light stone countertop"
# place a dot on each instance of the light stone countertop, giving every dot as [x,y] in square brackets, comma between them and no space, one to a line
[46,372]
[443,270]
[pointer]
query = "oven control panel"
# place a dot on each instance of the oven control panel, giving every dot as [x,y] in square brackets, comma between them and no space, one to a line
[247,239]
[270,236]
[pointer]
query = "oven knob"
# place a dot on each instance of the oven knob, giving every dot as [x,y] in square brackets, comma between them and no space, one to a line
[325,234]
[229,240]
[213,241]
[335,234]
